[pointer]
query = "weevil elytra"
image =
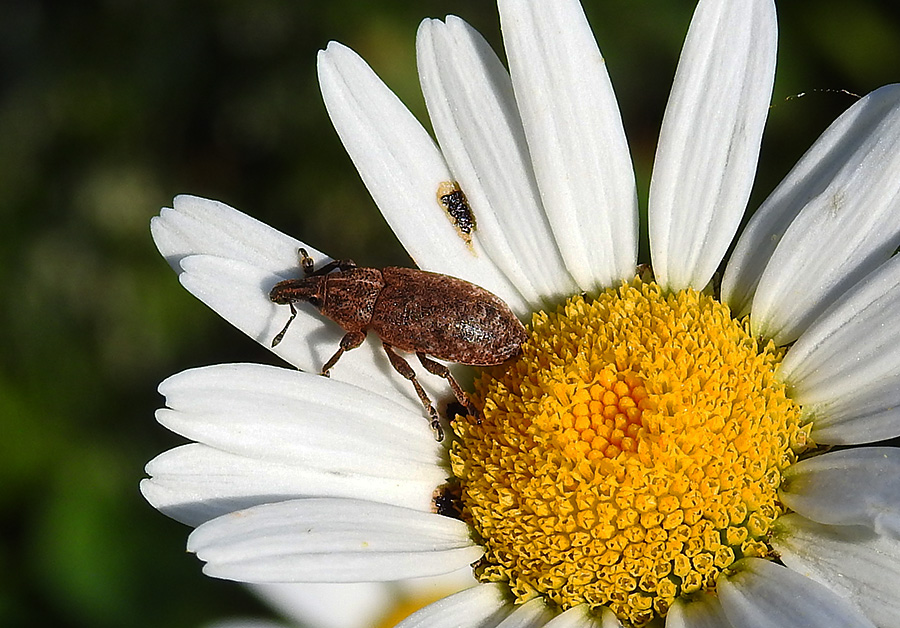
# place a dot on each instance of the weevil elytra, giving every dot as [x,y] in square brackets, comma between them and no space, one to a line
[412,310]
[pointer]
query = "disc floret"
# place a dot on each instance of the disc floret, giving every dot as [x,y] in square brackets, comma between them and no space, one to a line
[631,453]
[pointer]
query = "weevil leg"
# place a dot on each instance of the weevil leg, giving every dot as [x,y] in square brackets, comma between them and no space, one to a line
[440,370]
[351,340]
[284,329]
[308,266]
[402,366]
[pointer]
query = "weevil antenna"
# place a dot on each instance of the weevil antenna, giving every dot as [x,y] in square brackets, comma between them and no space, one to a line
[280,335]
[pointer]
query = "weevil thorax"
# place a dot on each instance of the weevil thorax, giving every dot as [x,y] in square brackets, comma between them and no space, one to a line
[349,296]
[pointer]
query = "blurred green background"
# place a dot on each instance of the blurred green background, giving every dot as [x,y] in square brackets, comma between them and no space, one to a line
[109,109]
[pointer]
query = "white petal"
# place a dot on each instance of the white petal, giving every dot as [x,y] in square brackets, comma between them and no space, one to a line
[608,619]
[331,540]
[482,606]
[403,170]
[849,487]
[291,417]
[582,617]
[575,136]
[703,611]
[710,138]
[195,483]
[853,561]
[849,191]
[328,605]
[230,261]
[828,166]
[757,592]
[531,614]
[845,370]
[836,156]
[239,293]
[472,108]
[198,226]
[436,587]
[245,623]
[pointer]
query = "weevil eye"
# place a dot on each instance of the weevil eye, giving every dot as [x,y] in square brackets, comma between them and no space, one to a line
[315,301]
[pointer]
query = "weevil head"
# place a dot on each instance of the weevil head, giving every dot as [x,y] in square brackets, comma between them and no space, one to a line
[309,289]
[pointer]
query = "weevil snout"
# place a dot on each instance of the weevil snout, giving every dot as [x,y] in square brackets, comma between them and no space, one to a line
[289,291]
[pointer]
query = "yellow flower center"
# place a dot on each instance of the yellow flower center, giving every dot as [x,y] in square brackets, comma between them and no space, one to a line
[630,454]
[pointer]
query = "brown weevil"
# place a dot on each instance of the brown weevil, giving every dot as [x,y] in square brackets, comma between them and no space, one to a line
[413,310]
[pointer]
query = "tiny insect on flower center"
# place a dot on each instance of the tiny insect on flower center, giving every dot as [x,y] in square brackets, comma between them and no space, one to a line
[630,454]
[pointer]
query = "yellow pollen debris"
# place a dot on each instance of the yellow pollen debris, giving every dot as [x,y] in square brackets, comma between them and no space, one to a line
[630,454]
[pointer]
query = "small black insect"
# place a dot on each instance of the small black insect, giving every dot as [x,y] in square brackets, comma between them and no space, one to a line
[454,201]
[413,310]
[447,500]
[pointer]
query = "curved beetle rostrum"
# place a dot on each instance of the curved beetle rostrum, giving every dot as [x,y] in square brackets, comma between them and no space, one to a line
[412,310]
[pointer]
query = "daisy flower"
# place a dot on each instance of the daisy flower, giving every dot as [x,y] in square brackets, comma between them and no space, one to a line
[668,449]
